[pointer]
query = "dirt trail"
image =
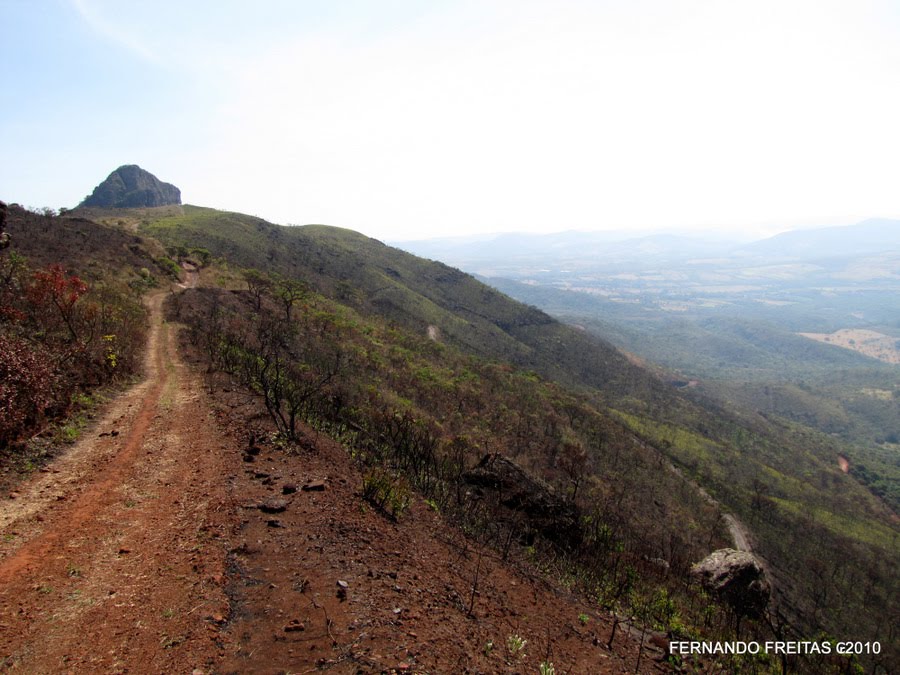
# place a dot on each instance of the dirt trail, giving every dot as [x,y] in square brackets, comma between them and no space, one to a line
[738,533]
[108,559]
[327,583]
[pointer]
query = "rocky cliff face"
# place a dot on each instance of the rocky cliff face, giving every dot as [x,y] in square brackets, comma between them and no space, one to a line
[130,186]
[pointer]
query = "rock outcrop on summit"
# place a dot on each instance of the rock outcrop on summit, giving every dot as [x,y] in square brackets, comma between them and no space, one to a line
[130,186]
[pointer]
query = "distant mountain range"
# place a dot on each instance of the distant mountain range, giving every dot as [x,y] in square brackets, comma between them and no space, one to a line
[877,235]
[568,245]
[588,249]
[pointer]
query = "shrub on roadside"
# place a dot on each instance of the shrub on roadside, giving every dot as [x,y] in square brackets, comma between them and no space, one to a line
[27,384]
[59,336]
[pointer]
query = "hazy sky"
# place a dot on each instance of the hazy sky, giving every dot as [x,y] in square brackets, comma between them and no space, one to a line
[408,119]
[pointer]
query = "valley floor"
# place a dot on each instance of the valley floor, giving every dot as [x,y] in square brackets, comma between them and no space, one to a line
[153,546]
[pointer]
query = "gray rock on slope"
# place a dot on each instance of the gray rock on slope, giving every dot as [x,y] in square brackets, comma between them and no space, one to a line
[130,186]
[519,497]
[737,577]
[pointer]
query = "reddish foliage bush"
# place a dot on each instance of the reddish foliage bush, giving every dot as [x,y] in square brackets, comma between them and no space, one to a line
[51,288]
[53,283]
[58,336]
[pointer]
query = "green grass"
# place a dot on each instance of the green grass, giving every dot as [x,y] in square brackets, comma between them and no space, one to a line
[687,447]
[867,531]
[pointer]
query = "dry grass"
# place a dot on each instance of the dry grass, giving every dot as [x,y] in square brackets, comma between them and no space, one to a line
[867,342]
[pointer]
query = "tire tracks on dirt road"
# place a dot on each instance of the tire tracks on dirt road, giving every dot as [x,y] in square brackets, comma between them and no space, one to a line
[113,558]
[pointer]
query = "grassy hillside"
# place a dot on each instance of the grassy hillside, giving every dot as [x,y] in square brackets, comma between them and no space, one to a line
[414,292]
[756,364]
[809,519]
[391,395]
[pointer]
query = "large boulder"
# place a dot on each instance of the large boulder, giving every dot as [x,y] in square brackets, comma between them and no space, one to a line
[522,500]
[130,186]
[738,578]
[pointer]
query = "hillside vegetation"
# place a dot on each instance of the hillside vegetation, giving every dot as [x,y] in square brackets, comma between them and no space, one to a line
[71,321]
[421,371]
[421,414]
[805,513]
[847,401]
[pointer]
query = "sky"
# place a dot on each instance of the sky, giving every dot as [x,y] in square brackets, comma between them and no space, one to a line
[408,119]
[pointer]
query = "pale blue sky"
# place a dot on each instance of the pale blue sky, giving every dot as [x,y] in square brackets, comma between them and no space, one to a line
[407,119]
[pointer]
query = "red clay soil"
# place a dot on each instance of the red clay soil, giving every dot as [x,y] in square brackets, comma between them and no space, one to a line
[144,550]
[332,584]
[113,558]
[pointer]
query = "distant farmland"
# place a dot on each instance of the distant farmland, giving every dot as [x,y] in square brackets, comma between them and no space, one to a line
[867,342]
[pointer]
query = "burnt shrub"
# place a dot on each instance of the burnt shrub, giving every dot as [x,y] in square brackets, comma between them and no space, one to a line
[27,386]
[59,337]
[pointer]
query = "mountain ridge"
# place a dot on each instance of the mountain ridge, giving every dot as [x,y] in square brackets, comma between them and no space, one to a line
[873,235]
[582,250]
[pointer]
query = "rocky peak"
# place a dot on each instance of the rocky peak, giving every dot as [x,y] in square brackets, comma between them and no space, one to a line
[130,186]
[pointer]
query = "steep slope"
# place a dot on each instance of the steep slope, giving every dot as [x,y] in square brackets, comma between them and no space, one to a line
[415,593]
[781,482]
[412,412]
[416,293]
[151,545]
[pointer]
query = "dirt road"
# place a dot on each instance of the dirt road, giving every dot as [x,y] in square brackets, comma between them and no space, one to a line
[109,558]
[738,533]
